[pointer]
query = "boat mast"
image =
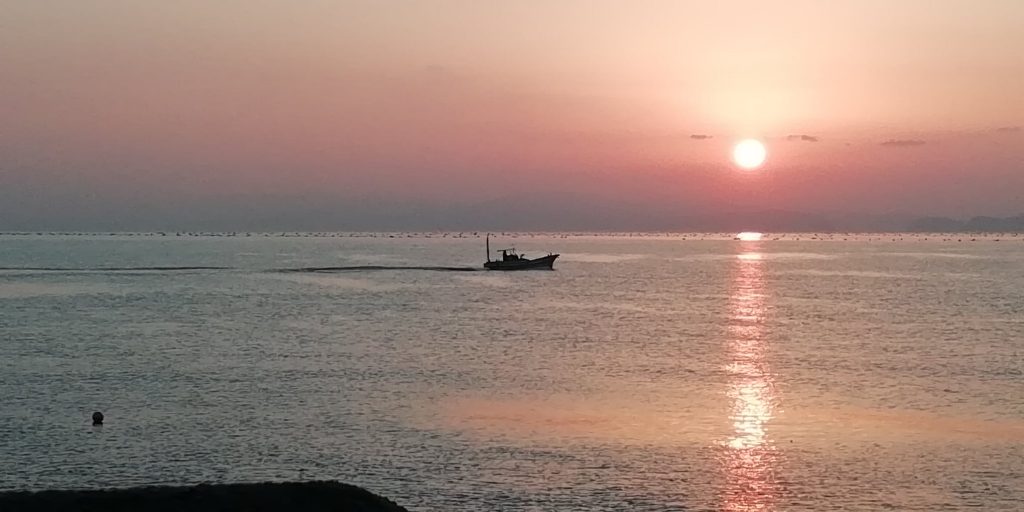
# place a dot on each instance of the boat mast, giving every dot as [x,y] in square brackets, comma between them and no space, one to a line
[488,247]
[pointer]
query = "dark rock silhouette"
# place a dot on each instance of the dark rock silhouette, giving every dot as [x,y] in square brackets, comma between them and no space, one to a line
[287,496]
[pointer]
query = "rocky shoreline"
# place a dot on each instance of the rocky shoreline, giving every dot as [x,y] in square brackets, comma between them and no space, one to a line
[256,497]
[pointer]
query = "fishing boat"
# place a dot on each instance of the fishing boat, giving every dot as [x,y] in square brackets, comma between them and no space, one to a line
[511,260]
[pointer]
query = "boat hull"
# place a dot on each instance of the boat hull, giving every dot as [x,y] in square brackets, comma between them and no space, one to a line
[545,263]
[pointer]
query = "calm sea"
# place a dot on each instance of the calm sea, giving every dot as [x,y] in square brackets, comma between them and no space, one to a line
[644,373]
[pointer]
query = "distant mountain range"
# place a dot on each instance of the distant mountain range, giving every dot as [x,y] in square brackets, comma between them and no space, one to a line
[978,224]
[787,221]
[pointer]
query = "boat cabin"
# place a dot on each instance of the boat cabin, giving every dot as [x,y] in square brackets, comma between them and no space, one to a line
[511,255]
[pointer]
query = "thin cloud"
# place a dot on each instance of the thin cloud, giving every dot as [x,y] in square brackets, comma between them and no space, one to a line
[903,143]
[700,136]
[1008,129]
[802,137]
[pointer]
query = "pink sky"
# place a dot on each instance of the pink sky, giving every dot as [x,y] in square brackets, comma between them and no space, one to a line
[213,113]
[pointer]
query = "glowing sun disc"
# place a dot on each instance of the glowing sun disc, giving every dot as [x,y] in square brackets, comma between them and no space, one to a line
[749,236]
[749,154]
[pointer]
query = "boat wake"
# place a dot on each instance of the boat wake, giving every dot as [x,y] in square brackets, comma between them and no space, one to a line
[196,268]
[364,268]
[110,269]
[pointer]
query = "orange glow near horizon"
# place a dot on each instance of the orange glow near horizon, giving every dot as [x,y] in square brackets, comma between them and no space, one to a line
[208,114]
[751,459]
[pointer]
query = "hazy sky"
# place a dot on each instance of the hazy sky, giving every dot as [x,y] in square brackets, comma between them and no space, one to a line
[478,114]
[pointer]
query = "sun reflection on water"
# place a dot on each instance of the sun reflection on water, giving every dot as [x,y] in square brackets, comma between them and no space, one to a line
[750,458]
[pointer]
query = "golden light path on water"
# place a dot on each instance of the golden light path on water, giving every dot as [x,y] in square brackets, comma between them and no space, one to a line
[750,460]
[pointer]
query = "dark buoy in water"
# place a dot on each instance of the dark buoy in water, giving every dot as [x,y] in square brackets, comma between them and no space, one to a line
[97,418]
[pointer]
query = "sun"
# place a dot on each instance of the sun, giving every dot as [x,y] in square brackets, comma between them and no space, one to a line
[749,154]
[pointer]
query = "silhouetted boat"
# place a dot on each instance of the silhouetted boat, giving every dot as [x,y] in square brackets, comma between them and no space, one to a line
[511,260]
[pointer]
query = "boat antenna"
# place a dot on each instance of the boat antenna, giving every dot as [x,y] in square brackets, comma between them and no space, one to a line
[488,247]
